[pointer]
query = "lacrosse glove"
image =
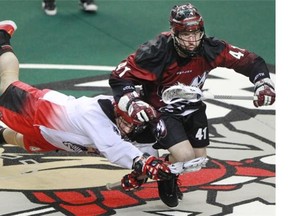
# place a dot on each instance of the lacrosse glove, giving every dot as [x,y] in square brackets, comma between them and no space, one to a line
[136,108]
[131,182]
[264,92]
[153,167]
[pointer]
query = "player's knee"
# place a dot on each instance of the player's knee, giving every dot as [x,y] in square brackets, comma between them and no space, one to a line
[182,156]
[182,152]
[186,156]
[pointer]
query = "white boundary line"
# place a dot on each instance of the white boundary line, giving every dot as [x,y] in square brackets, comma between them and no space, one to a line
[36,212]
[67,67]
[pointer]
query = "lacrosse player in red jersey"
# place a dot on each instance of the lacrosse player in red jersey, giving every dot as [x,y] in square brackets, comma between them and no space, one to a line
[171,70]
[47,120]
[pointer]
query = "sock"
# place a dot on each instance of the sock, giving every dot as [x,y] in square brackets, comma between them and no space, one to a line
[2,140]
[5,42]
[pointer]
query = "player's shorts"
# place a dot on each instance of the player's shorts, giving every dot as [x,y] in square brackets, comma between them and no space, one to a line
[18,110]
[193,127]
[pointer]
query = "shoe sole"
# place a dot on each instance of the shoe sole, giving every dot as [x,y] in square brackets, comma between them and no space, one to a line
[51,13]
[9,22]
[89,8]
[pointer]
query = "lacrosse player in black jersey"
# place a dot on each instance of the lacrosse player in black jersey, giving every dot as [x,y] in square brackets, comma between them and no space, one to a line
[171,70]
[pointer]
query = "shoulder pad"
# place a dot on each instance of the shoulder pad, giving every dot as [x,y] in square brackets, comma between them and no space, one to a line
[155,54]
[212,47]
[154,48]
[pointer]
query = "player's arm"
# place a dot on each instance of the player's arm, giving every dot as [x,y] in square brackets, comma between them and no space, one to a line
[143,66]
[107,139]
[123,81]
[254,67]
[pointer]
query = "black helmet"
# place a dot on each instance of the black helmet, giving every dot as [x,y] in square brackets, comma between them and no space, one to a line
[185,18]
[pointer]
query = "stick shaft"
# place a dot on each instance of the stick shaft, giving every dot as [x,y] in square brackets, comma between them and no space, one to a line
[233,97]
[209,95]
[111,186]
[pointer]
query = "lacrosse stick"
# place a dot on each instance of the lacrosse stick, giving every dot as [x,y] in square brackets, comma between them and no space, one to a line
[209,95]
[193,165]
[180,92]
[176,168]
[111,186]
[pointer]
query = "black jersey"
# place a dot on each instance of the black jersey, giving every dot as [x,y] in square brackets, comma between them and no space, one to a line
[156,66]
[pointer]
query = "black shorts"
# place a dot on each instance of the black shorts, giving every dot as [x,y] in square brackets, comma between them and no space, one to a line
[193,127]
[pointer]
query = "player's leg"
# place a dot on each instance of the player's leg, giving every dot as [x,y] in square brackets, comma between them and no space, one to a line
[168,190]
[200,152]
[9,65]
[49,7]
[181,152]
[176,152]
[191,132]
[176,140]
[8,70]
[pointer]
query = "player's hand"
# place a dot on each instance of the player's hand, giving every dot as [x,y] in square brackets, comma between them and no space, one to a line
[142,111]
[157,169]
[130,182]
[264,92]
[136,108]
[153,167]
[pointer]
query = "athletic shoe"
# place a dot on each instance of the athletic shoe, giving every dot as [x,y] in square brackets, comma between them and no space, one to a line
[1,128]
[49,7]
[179,193]
[8,26]
[88,5]
[2,140]
[169,191]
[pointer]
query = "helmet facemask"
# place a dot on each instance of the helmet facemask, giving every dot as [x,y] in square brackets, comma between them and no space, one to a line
[127,126]
[186,25]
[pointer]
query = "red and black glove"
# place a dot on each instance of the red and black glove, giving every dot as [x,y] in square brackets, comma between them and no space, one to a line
[264,92]
[136,108]
[130,182]
[153,167]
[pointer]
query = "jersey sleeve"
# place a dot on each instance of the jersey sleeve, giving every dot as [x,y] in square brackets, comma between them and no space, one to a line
[126,76]
[109,142]
[241,60]
[141,67]
[105,135]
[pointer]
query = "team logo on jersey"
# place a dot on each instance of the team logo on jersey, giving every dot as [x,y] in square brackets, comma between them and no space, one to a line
[74,147]
[199,80]
[161,130]
[34,149]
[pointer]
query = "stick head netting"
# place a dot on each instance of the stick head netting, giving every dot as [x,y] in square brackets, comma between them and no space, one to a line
[180,92]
